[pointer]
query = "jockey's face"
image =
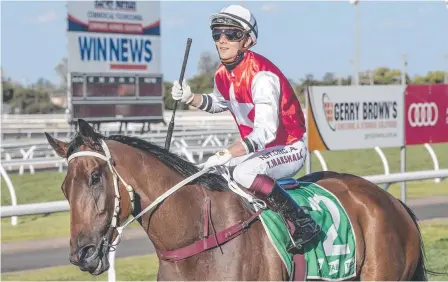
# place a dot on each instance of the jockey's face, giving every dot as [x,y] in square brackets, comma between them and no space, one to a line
[228,48]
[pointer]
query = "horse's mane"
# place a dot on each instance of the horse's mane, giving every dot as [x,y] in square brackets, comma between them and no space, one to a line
[211,181]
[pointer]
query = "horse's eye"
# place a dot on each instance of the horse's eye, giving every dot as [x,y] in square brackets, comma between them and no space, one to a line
[95,178]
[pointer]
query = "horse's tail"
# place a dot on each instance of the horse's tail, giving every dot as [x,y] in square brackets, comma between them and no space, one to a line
[420,271]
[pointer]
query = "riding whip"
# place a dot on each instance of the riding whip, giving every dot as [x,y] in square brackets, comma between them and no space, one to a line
[181,78]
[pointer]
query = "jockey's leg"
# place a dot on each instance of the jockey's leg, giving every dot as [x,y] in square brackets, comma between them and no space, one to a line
[304,228]
[259,172]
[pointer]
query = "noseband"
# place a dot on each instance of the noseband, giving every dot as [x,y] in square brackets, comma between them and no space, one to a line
[116,176]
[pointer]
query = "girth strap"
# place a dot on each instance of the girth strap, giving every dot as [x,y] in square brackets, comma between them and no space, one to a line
[209,242]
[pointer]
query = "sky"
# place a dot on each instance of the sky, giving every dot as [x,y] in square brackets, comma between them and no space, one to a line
[301,37]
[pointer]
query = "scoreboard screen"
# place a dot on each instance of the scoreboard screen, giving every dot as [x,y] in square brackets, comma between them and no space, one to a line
[150,86]
[116,97]
[77,86]
[122,110]
[112,86]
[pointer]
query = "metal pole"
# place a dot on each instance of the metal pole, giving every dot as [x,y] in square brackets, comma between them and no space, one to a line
[357,41]
[12,192]
[446,59]
[403,72]
[352,63]
[111,275]
[307,113]
[308,162]
[403,170]
[403,148]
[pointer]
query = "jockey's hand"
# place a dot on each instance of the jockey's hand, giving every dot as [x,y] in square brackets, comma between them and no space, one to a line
[184,94]
[220,158]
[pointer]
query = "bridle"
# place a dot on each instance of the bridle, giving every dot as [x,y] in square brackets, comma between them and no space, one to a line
[116,176]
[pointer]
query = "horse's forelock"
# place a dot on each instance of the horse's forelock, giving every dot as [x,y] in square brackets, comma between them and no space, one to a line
[78,141]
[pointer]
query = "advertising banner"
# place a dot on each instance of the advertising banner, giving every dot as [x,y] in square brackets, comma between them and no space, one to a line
[114,37]
[355,117]
[426,118]
[135,17]
[113,53]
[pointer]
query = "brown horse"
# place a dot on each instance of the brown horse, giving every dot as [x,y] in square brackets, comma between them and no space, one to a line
[389,246]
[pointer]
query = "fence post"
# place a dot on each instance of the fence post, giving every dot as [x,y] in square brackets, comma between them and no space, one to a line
[321,160]
[434,160]
[12,192]
[111,276]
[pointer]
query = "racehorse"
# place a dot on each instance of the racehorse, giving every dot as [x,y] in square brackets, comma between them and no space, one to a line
[104,173]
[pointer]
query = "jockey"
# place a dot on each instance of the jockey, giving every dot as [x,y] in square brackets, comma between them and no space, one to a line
[268,114]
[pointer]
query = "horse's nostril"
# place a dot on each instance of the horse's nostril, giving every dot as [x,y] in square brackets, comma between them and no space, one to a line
[86,252]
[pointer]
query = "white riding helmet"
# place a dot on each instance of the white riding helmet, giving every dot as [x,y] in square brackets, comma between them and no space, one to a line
[236,16]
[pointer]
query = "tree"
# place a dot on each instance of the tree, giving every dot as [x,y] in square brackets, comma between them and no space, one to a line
[43,83]
[435,77]
[8,88]
[384,76]
[329,79]
[367,78]
[431,77]
[207,63]
[62,70]
[203,82]
[8,94]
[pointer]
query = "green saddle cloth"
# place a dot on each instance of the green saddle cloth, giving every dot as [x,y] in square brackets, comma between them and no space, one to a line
[331,256]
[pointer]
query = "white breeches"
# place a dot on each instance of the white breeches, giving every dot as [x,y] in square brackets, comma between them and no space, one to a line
[276,162]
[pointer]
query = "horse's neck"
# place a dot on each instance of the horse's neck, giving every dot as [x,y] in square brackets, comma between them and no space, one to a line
[179,220]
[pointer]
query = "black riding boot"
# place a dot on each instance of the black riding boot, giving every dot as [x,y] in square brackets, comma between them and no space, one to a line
[278,200]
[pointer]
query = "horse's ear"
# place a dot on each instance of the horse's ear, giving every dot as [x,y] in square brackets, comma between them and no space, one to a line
[87,133]
[59,146]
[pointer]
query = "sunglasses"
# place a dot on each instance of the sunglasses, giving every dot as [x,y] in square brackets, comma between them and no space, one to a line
[230,34]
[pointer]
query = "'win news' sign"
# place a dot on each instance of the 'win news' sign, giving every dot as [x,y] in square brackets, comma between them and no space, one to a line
[114,36]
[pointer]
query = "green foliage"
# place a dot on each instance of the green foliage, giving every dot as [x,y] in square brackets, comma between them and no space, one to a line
[385,75]
[201,83]
[207,63]
[432,77]
[32,100]
[8,89]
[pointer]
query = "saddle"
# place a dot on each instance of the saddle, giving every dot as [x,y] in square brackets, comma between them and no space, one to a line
[289,183]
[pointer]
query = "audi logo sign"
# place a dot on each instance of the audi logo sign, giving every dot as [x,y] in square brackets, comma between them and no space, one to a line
[423,114]
[426,114]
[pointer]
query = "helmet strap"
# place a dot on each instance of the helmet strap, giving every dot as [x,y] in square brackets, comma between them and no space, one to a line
[231,63]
